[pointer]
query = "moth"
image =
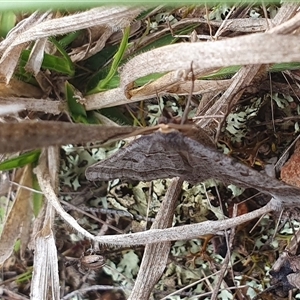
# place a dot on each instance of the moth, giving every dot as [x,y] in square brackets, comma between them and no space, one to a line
[169,152]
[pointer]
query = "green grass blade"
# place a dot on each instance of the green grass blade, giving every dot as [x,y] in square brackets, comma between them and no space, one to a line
[65,55]
[76,109]
[102,85]
[69,38]
[20,161]
[50,62]
[7,22]
[38,198]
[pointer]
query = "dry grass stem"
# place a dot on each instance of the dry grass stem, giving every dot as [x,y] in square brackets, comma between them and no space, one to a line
[18,218]
[156,255]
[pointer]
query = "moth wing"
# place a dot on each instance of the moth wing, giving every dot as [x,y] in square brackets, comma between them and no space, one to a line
[147,158]
[167,155]
[210,163]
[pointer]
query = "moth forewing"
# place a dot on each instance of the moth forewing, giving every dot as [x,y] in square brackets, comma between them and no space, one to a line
[164,154]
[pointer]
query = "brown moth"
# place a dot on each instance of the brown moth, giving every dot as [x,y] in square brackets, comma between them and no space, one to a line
[165,151]
[170,153]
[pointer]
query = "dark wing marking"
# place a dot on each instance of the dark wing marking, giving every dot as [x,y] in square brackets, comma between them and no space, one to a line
[147,158]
